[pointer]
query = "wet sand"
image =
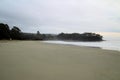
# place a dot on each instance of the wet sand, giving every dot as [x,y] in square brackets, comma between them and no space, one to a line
[35,60]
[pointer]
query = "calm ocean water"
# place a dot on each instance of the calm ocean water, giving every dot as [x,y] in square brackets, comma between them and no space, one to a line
[110,43]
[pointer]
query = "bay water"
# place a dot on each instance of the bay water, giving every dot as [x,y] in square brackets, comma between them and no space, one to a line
[111,42]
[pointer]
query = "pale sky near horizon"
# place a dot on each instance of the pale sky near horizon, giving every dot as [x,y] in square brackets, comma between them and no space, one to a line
[55,16]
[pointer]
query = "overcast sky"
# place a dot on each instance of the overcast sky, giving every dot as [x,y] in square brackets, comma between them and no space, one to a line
[54,16]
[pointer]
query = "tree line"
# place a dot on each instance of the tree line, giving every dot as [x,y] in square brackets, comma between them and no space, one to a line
[16,34]
[80,37]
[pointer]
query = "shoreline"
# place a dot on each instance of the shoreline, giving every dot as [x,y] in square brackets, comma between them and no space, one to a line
[49,42]
[84,46]
[67,43]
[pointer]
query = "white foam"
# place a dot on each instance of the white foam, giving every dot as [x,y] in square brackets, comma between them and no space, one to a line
[110,45]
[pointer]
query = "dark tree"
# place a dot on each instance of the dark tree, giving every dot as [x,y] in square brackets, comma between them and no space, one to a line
[38,36]
[38,33]
[15,33]
[4,31]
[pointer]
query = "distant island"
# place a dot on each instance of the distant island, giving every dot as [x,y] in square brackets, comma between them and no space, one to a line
[16,34]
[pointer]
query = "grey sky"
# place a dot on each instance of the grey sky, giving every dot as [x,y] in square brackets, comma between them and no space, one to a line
[54,16]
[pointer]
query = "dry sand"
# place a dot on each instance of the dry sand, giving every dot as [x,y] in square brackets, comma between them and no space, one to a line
[35,60]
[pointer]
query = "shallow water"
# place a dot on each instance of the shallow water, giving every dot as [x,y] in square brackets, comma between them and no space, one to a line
[110,43]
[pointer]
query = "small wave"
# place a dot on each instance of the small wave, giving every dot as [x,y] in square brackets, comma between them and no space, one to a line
[109,45]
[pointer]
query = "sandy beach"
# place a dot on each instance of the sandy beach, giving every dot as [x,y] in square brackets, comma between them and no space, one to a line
[35,60]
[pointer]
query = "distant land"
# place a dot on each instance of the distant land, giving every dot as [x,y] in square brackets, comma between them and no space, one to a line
[16,34]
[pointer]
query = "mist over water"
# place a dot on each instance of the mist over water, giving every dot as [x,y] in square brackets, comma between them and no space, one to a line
[112,42]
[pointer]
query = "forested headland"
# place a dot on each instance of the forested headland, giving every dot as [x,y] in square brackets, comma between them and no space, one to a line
[16,34]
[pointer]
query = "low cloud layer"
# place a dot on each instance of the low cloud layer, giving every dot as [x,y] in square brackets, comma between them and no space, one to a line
[54,16]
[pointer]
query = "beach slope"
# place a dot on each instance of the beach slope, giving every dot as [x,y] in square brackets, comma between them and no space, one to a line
[35,60]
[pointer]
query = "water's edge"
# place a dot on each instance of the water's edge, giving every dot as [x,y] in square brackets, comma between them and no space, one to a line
[102,45]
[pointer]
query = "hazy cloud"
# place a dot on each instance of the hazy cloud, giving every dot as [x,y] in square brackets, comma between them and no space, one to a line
[53,16]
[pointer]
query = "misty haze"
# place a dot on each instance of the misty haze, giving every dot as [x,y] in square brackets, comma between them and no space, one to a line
[59,40]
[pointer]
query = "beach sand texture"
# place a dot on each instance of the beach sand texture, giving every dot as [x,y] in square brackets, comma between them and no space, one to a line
[35,60]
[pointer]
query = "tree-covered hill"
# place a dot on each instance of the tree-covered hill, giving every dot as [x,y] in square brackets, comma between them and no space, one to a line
[16,34]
